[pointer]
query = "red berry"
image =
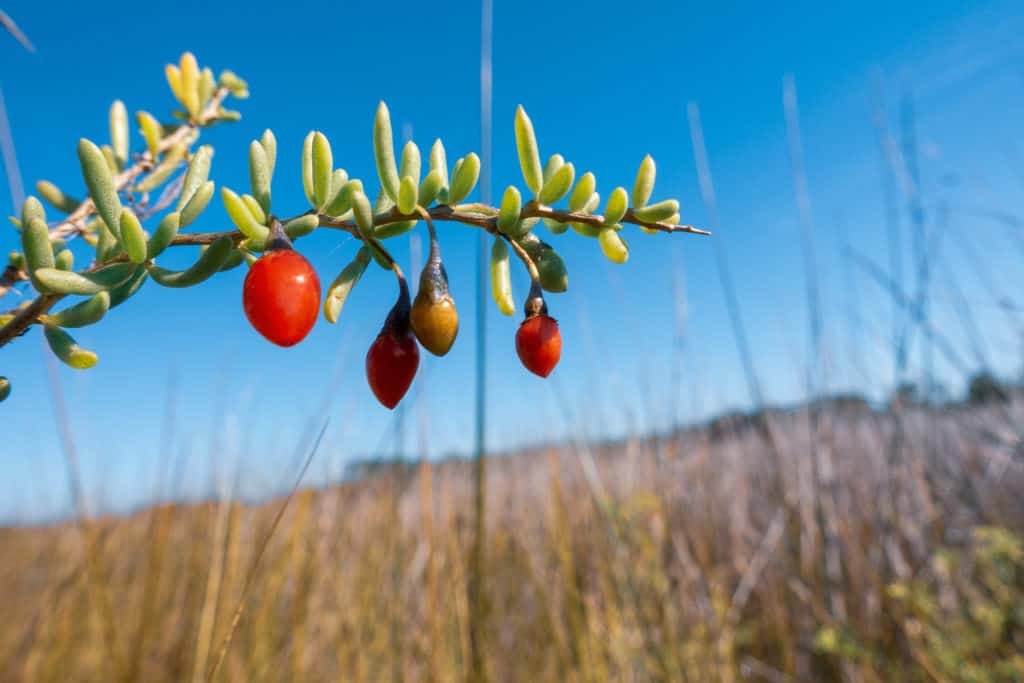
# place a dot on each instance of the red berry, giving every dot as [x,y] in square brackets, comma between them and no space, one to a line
[391,364]
[539,344]
[281,296]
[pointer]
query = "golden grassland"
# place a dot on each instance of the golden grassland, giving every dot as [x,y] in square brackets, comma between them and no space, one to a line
[887,547]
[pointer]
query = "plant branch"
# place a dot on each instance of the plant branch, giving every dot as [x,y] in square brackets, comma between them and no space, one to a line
[473,214]
[531,267]
[74,223]
[476,215]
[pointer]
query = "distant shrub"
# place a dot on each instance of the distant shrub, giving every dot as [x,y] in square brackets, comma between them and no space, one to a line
[986,388]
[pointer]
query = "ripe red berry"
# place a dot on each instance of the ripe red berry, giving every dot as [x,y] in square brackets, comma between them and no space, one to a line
[281,296]
[539,344]
[391,364]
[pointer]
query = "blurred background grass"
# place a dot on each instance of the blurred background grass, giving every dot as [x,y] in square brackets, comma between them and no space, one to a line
[737,550]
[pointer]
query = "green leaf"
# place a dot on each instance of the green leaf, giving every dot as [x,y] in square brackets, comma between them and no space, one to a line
[234,259]
[644,184]
[100,183]
[307,168]
[133,237]
[363,213]
[383,204]
[235,85]
[269,143]
[32,209]
[5,388]
[164,235]
[508,215]
[151,131]
[337,293]
[163,170]
[209,262]
[173,74]
[301,226]
[389,230]
[384,152]
[197,204]
[254,209]
[35,243]
[190,83]
[438,162]
[67,350]
[119,132]
[85,313]
[554,227]
[338,180]
[553,275]
[613,246]
[207,85]
[259,175]
[196,175]
[657,212]
[529,156]
[107,246]
[108,156]
[583,191]
[430,188]
[65,282]
[616,207]
[410,162]
[464,178]
[555,162]
[559,184]
[56,198]
[64,260]
[447,200]
[125,290]
[407,195]
[586,229]
[323,167]
[501,279]
[342,201]
[241,217]
[532,245]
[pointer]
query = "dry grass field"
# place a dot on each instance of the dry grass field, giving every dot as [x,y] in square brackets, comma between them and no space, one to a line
[888,547]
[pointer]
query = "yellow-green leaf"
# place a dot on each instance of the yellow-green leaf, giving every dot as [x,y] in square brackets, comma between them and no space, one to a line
[384,152]
[56,198]
[133,237]
[119,132]
[613,246]
[464,178]
[644,184]
[410,167]
[100,182]
[67,350]
[529,155]
[407,195]
[559,184]
[616,207]
[582,192]
[501,279]
[259,175]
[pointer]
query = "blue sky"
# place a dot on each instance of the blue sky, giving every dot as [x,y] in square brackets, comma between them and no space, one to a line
[605,83]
